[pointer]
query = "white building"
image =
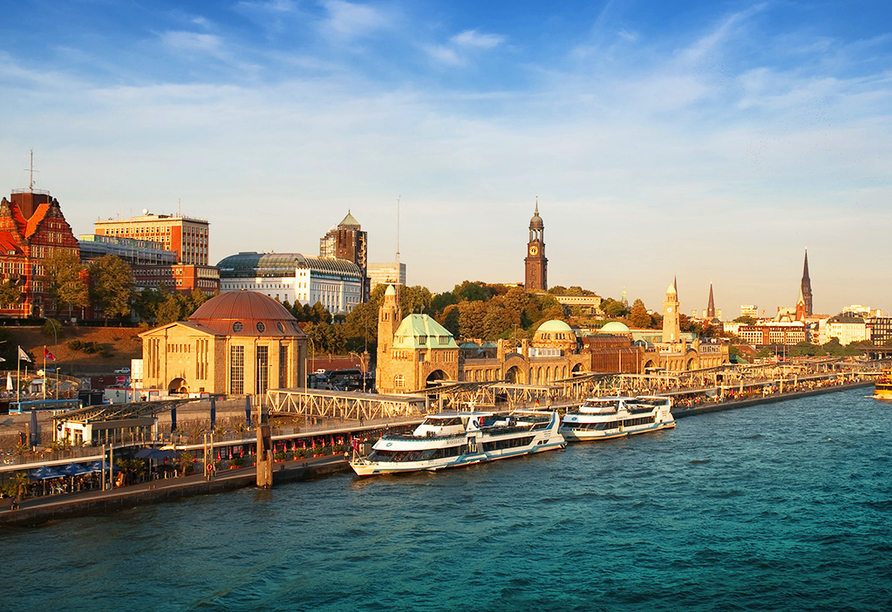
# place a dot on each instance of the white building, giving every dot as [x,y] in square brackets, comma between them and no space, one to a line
[335,283]
[846,329]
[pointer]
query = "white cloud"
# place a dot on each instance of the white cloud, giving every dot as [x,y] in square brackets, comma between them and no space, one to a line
[348,21]
[192,42]
[472,39]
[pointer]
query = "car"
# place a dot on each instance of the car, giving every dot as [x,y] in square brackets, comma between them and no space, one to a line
[122,371]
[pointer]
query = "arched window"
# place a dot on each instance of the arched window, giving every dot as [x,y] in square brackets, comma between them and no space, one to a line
[399,381]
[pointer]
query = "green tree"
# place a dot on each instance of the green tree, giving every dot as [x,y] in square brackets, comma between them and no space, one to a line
[66,280]
[613,308]
[638,316]
[10,294]
[111,283]
[471,319]
[745,319]
[170,310]
[416,299]
[472,291]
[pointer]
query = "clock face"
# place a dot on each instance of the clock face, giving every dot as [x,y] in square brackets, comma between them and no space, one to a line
[534,250]
[669,309]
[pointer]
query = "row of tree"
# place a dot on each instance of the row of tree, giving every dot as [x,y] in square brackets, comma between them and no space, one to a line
[105,282]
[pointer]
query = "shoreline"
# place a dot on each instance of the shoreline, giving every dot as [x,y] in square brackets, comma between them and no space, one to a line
[38,511]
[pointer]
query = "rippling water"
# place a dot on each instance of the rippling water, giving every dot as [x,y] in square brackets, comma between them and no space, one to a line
[778,507]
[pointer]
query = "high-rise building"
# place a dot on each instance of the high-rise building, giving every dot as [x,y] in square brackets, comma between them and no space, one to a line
[805,288]
[348,241]
[386,274]
[186,236]
[536,277]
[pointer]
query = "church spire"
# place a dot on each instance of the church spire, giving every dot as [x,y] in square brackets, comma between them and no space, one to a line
[805,287]
[710,305]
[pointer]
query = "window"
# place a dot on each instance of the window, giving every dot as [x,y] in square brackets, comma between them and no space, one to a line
[237,370]
[201,369]
[262,377]
[260,327]
[237,326]
[283,365]
[399,381]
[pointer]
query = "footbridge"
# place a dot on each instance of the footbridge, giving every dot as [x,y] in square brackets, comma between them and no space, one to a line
[325,404]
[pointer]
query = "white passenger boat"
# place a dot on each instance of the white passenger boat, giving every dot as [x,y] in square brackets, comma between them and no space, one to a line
[452,439]
[603,418]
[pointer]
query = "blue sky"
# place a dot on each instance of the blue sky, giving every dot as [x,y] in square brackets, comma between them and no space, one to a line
[714,141]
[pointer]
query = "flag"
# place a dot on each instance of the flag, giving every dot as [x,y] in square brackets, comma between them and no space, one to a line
[9,386]
[23,355]
[48,355]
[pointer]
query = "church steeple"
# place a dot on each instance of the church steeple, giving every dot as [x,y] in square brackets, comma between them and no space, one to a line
[805,288]
[536,264]
[710,306]
[671,318]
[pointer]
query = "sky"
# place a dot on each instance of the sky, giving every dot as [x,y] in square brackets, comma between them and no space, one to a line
[712,141]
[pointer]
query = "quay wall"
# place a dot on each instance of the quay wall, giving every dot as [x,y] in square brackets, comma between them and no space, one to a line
[161,491]
[679,412]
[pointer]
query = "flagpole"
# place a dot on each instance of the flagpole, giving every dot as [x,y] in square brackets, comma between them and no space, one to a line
[18,379]
[44,371]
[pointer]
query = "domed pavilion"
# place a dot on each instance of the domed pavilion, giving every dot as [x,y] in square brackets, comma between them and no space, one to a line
[237,343]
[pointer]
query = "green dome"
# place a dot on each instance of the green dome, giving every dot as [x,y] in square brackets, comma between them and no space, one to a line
[615,327]
[554,326]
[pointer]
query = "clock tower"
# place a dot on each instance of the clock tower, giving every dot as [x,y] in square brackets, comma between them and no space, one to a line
[671,318]
[536,278]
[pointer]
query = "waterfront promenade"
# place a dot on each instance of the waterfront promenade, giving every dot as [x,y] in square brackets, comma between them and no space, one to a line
[38,510]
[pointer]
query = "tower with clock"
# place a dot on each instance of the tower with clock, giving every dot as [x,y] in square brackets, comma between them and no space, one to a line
[671,318]
[536,278]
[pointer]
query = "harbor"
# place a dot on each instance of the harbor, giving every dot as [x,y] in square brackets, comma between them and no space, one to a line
[292,465]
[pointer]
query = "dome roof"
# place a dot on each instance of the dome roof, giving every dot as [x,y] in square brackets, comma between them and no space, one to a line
[536,222]
[246,313]
[554,326]
[615,327]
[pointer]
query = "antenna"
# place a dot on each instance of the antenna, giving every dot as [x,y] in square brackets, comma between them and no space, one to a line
[398,237]
[32,171]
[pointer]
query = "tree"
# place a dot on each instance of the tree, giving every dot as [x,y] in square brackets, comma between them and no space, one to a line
[10,293]
[414,299]
[638,316]
[170,310]
[613,308]
[745,319]
[472,292]
[111,282]
[65,281]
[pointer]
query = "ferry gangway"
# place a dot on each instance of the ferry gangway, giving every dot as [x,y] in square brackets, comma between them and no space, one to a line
[326,404]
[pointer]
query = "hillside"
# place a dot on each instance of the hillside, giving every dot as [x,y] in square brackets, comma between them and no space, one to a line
[121,344]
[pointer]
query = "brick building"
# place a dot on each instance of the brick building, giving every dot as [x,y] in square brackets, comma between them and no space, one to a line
[32,227]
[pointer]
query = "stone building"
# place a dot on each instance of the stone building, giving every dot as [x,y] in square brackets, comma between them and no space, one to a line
[237,343]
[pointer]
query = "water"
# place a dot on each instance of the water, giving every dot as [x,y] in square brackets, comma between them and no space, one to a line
[778,507]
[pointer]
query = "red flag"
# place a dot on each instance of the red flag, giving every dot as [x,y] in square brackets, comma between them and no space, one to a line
[48,355]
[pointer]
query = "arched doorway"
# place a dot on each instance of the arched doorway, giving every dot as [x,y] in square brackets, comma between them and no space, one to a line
[435,376]
[178,385]
[514,376]
[690,364]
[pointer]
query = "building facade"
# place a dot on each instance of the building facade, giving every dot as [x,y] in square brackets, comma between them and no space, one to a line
[348,241]
[388,273]
[32,227]
[335,283]
[187,237]
[536,264]
[239,343]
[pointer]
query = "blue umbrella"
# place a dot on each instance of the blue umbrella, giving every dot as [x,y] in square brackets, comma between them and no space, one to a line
[45,473]
[96,466]
[75,469]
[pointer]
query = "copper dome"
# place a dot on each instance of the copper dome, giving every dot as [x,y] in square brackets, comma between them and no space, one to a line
[246,313]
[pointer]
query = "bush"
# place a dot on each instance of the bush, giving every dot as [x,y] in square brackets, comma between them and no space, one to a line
[300,453]
[279,456]
[237,461]
[51,329]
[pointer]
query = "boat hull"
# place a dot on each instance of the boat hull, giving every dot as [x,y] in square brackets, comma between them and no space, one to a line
[372,468]
[591,435]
